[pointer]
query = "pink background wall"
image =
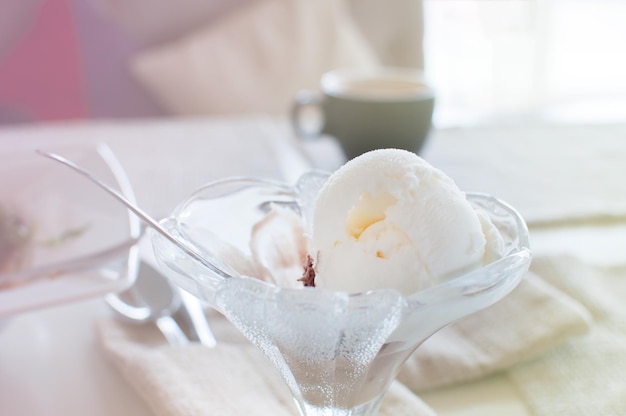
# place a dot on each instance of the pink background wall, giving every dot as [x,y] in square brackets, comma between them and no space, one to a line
[60,59]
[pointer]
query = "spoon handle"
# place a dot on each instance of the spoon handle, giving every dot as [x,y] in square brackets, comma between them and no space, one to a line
[138,212]
[172,331]
[199,322]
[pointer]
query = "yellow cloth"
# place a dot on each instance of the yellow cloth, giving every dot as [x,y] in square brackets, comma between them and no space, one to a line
[586,375]
[533,319]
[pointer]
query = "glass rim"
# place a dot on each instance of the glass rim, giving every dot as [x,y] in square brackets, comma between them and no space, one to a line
[518,256]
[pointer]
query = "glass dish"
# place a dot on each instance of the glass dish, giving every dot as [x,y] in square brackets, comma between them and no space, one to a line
[338,352]
[64,219]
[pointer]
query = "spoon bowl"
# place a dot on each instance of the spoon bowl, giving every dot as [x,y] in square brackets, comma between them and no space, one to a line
[163,297]
[151,299]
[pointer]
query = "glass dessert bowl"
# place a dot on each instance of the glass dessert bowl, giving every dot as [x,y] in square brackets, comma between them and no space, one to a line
[338,352]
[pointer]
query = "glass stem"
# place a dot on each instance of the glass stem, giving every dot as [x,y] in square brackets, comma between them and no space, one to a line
[367,409]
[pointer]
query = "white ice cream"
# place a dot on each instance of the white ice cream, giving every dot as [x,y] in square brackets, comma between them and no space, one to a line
[388,219]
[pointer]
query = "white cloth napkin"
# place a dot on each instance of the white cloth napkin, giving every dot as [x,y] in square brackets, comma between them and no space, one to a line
[550,173]
[232,379]
[533,319]
[586,376]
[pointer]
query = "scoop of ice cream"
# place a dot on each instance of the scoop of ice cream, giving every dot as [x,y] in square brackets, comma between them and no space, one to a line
[388,219]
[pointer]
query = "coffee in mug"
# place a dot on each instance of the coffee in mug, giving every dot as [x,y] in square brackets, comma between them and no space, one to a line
[366,109]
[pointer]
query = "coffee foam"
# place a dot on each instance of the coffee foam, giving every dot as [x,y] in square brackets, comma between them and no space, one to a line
[383,86]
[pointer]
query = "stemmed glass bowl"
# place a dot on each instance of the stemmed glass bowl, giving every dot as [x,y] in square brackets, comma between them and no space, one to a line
[338,352]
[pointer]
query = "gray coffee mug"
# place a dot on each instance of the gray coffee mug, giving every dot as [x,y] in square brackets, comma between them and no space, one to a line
[366,109]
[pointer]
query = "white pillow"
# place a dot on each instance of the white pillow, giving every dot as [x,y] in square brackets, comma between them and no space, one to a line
[254,59]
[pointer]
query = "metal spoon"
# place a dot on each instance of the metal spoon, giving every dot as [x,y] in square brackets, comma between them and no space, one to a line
[152,223]
[151,299]
[194,308]
[199,324]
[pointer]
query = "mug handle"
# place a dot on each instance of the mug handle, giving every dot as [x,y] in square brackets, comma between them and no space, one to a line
[304,99]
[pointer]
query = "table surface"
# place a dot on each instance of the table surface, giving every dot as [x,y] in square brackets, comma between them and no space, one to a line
[50,363]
